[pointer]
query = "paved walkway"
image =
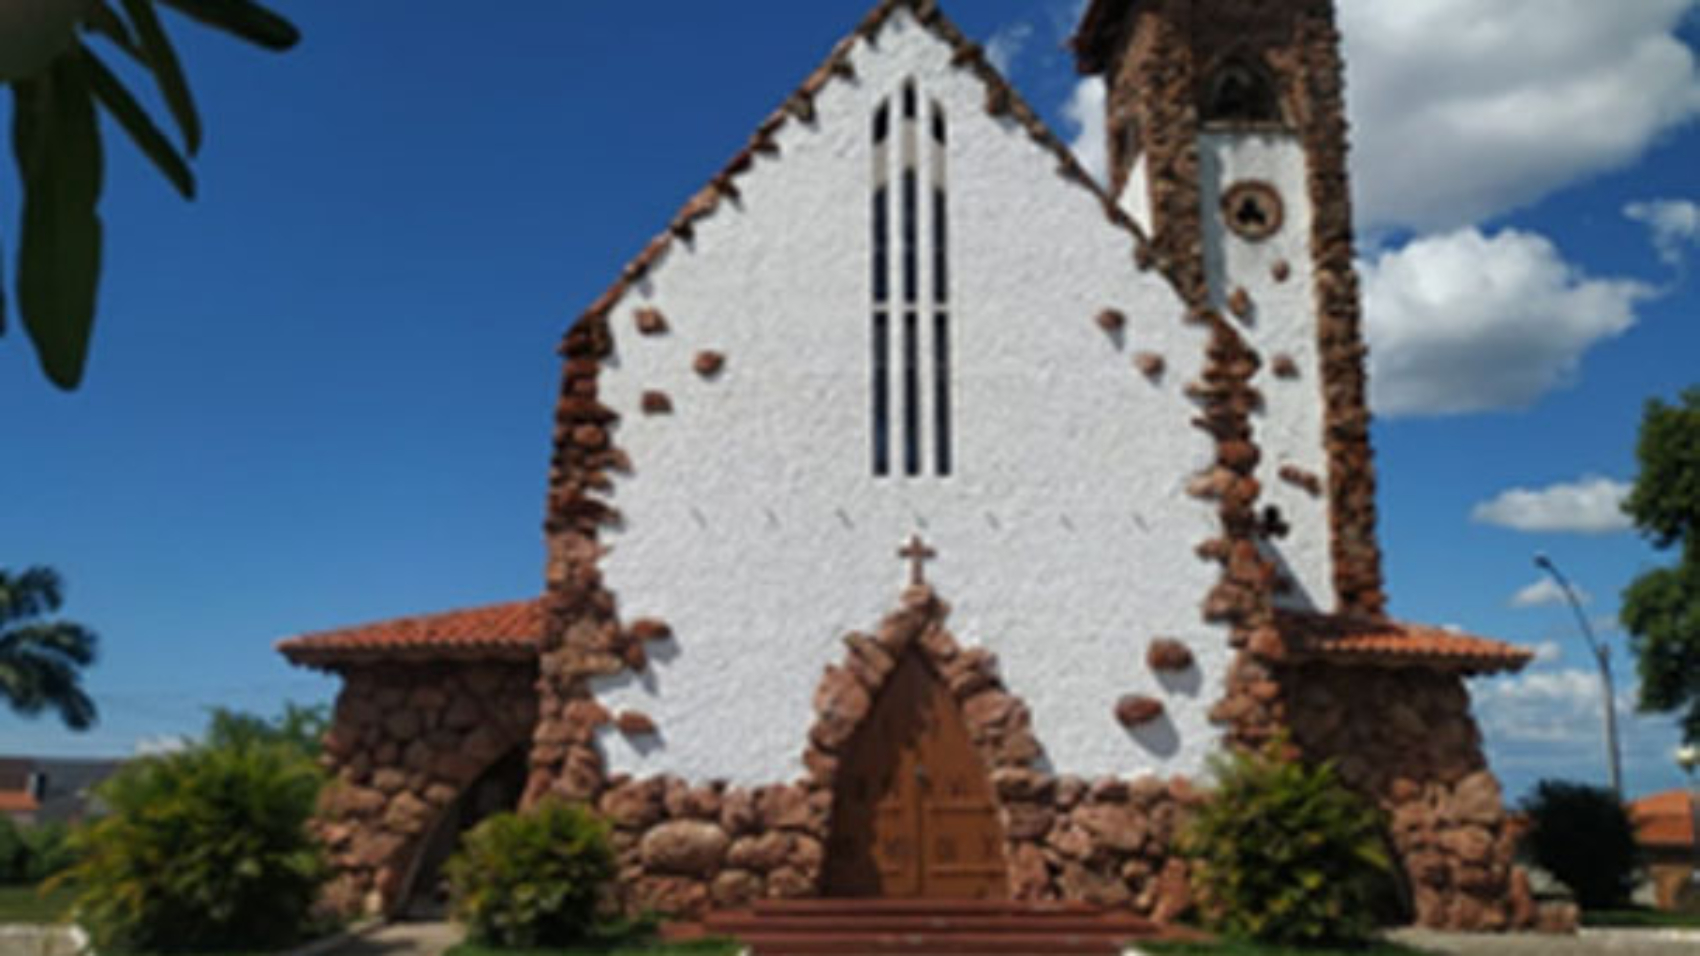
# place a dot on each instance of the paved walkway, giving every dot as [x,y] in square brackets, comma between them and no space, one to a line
[1586,943]
[399,939]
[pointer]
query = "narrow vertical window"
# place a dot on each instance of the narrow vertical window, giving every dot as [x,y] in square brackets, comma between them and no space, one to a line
[941,299]
[911,394]
[941,401]
[882,394]
[880,361]
[911,364]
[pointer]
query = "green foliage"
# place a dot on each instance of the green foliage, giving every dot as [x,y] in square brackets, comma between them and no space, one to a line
[1661,608]
[299,727]
[61,159]
[1583,836]
[202,850]
[41,660]
[532,879]
[1283,853]
[14,853]
[31,854]
[50,851]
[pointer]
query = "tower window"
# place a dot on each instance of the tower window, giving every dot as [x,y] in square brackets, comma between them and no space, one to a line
[1241,93]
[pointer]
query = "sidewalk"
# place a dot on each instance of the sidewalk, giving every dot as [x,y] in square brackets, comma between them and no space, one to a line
[395,939]
[1590,942]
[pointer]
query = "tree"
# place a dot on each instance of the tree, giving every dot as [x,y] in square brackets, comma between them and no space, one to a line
[1583,836]
[300,728]
[58,87]
[41,661]
[1661,608]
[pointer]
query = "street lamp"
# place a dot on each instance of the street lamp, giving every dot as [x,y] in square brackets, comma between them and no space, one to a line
[1602,654]
[1688,758]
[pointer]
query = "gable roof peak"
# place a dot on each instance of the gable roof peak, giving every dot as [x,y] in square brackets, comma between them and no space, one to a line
[1001,100]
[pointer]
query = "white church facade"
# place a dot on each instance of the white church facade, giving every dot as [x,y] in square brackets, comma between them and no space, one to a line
[923,516]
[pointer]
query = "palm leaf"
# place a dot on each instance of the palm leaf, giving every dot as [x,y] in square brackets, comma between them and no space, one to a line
[241,18]
[57,143]
[105,21]
[167,71]
[35,592]
[110,92]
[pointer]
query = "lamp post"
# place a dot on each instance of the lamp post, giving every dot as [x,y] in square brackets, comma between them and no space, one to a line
[1602,654]
[1688,758]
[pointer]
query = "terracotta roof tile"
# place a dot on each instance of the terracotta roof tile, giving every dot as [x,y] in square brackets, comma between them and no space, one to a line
[512,630]
[1359,640]
[1664,819]
[17,801]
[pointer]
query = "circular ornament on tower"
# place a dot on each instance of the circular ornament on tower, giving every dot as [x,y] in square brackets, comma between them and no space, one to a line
[1253,210]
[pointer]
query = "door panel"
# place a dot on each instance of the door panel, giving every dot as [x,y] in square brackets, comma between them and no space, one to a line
[913,815]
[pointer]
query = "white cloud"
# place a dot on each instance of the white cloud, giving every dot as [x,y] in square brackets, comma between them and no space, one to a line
[1465,108]
[1674,224]
[1592,505]
[1542,707]
[1545,593]
[1085,112]
[1466,322]
[161,744]
[1547,652]
[1006,45]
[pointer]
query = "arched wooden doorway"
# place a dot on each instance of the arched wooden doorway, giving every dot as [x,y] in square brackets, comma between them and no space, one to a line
[913,814]
[496,790]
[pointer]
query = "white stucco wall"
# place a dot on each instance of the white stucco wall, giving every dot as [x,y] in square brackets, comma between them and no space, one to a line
[1290,428]
[754,527]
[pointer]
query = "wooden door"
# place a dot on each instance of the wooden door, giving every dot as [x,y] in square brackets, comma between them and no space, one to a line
[913,815]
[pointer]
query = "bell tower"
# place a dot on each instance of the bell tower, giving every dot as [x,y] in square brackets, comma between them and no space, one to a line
[1227,143]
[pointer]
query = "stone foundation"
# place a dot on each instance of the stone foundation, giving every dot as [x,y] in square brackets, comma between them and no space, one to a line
[405,741]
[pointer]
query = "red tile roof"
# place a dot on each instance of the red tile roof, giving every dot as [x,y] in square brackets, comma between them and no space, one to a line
[1664,820]
[17,801]
[1365,641]
[504,631]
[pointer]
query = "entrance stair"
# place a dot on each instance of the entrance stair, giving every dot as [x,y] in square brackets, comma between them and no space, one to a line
[841,927]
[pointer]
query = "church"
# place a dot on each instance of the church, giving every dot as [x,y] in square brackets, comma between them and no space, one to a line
[924,514]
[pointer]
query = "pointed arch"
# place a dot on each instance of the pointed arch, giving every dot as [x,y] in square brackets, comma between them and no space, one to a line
[997,722]
[1239,90]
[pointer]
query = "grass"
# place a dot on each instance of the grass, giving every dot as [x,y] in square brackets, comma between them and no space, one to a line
[25,904]
[626,947]
[1239,948]
[1641,919]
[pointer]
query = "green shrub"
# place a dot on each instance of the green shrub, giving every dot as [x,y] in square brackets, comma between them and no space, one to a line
[1583,836]
[49,851]
[1284,853]
[532,879]
[201,850]
[14,853]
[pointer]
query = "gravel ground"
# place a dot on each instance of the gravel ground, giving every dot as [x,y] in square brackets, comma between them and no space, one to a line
[1588,943]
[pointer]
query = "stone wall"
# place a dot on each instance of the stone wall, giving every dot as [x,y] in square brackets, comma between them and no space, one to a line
[405,741]
[685,848]
[1406,740]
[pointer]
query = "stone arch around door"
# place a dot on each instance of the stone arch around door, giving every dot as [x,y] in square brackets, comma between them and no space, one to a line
[911,652]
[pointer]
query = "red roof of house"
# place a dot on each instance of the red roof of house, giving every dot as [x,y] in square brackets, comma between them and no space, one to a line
[1367,641]
[1664,820]
[17,801]
[504,631]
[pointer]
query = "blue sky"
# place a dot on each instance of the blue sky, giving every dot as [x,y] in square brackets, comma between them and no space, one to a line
[321,394]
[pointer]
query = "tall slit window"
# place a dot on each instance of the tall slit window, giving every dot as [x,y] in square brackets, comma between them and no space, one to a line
[911,364]
[881,363]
